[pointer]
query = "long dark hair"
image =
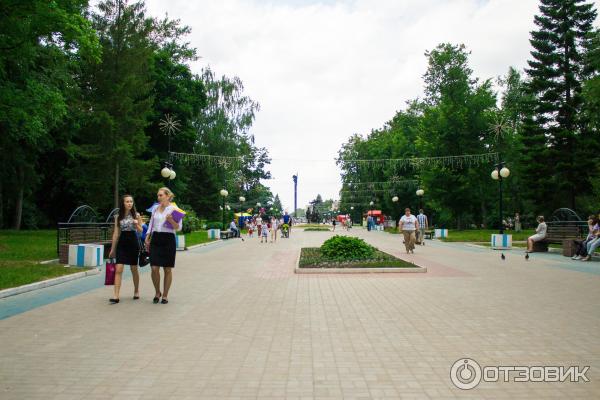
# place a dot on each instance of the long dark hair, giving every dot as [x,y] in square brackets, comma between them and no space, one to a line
[122,208]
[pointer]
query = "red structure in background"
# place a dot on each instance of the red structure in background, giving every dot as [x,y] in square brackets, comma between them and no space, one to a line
[377,215]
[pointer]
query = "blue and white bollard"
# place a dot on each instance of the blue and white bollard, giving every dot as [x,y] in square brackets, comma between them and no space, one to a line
[180,242]
[86,255]
[441,233]
[501,241]
[214,234]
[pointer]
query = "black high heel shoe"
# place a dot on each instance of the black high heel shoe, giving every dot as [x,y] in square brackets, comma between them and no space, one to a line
[113,301]
[156,299]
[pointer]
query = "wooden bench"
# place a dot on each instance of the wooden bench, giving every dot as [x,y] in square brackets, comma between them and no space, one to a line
[228,234]
[560,233]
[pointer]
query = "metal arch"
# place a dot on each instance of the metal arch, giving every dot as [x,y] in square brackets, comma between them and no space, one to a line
[565,215]
[83,213]
[112,214]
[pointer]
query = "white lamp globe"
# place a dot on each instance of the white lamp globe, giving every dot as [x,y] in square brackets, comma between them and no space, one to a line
[420,192]
[257,204]
[224,192]
[371,203]
[172,175]
[495,174]
[352,208]
[395,199]
[242,199]
[165,172]
[504,172]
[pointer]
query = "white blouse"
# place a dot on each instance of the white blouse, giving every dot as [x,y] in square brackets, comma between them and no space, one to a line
[157,222]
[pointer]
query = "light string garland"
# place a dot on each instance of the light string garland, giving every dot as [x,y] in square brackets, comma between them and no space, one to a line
[465,160]
[212,160]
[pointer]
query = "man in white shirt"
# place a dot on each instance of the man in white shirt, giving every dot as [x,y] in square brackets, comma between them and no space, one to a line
[409,225]
[233,227]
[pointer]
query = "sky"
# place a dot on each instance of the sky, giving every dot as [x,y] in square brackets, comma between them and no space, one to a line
[325,70]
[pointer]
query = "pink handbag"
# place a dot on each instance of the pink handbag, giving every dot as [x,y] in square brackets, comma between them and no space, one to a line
[111,268]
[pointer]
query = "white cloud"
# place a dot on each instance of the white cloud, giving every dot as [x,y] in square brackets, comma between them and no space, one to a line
[323,70]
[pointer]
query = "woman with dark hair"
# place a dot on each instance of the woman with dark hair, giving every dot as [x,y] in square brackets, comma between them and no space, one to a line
[125,245]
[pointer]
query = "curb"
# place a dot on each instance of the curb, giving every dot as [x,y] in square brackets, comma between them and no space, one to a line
[202,245]
[299,270]
[47,283]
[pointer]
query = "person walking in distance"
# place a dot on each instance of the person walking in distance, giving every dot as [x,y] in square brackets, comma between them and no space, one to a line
[161,243]
[423,225]
[125,245]
[409,225]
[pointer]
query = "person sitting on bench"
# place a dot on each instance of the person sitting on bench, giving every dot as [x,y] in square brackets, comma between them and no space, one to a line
[540,234]
[592,245]
[234,229]
[593,228]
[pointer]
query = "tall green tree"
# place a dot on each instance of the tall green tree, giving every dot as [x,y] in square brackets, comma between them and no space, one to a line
[119,95]
[556,72]
[41,45]
[456,121]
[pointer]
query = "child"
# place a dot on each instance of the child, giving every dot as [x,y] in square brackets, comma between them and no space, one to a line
[264,231]
[251,229]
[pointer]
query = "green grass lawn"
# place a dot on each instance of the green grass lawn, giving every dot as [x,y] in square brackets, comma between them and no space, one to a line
[20,253]
[317,229]
[483,235]
[197,237]
[28,245]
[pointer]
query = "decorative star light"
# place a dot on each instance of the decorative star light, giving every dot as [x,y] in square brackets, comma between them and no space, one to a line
[499,127]
[169,125]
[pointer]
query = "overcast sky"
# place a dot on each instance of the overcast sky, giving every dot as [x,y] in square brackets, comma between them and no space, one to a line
[324,70]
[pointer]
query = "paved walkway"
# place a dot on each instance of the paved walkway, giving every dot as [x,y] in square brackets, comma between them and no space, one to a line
[241,325]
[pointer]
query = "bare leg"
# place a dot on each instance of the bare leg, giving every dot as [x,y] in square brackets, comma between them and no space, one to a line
[156,280]
[529,244]
[118,279]
[136,280]
[167,282]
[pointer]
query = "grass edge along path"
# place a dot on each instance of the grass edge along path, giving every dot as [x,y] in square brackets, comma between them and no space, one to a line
[311,257]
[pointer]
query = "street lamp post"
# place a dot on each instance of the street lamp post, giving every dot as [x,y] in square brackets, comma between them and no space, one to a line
[242,200]
[420,193]
[224,193]
[499,173]
[395,201]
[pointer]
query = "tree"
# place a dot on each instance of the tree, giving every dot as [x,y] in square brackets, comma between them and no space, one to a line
[41,43]
[456,121]
[555,75]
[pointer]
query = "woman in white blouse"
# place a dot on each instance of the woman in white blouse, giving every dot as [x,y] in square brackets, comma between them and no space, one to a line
[160,241]
[540,234]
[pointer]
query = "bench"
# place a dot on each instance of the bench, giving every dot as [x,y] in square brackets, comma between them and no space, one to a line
[228,234]
[429,233]
[560,233]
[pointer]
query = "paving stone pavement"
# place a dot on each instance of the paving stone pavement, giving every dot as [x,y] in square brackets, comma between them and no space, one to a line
[241,325]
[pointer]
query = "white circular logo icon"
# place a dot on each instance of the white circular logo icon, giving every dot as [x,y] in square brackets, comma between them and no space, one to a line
[465,373]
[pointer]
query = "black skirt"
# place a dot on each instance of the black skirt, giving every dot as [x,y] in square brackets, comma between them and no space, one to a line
[162,250]
[128,248]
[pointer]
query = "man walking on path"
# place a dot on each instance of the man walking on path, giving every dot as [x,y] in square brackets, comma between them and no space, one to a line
[423,225]
[408,226]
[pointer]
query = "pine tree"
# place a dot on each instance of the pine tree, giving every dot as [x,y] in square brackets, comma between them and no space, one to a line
[555,74]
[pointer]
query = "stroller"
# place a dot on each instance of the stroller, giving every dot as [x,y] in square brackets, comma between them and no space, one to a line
[285,231]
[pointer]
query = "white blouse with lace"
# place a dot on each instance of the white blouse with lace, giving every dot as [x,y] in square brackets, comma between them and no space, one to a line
[157,222]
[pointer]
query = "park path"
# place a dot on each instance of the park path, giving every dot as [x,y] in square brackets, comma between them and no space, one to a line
[241,325]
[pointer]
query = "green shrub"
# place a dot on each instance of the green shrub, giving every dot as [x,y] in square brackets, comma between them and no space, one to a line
[214,225]
[347,248]
[191,222]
